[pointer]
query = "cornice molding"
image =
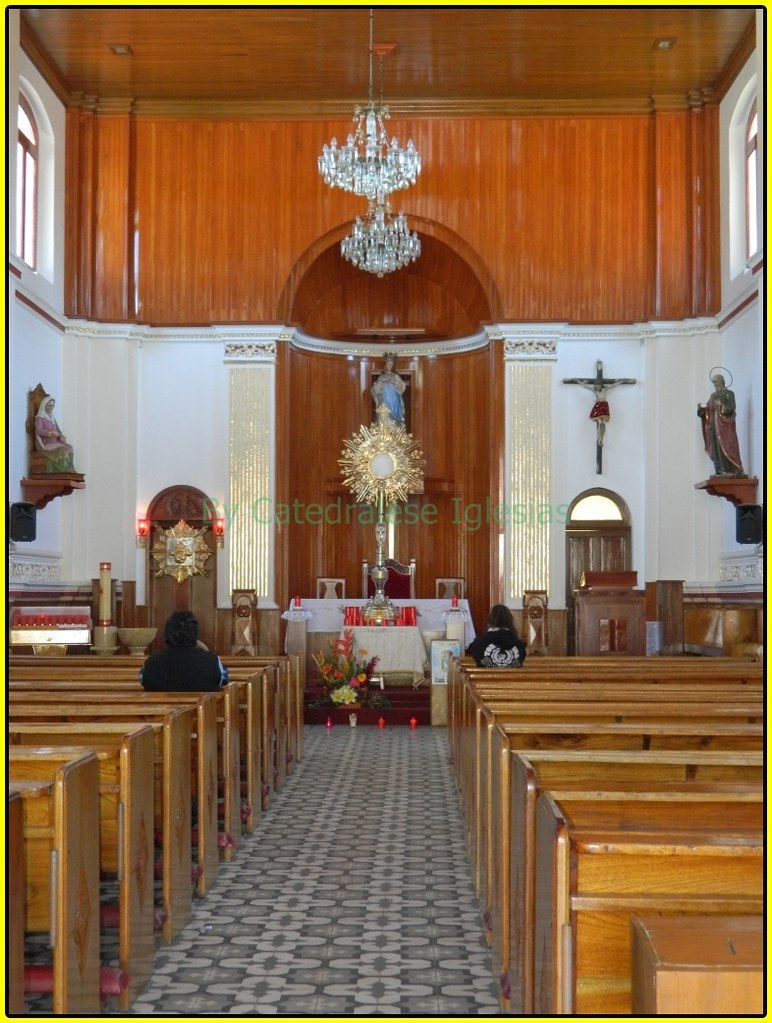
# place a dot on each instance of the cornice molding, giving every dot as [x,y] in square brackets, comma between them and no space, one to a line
[460,107]
[414,349]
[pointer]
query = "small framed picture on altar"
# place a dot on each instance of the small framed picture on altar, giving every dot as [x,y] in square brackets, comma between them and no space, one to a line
[442,651]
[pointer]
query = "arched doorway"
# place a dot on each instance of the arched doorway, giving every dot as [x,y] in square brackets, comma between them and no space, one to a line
[198,592]
[598,539]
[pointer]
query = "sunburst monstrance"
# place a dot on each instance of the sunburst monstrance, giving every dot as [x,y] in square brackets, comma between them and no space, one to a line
[382,463]
[181,551]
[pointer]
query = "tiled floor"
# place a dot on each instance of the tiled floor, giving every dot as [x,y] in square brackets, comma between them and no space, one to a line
[353,898]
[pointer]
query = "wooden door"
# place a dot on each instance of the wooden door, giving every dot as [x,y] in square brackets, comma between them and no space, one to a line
[598,547]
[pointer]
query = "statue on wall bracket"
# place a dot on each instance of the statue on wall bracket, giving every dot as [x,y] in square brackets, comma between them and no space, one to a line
[718,417]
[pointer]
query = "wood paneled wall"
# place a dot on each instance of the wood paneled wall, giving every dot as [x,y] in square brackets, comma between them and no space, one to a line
[451,413]
[604,219]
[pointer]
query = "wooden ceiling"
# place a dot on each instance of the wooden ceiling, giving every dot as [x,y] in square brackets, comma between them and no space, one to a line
[293,61]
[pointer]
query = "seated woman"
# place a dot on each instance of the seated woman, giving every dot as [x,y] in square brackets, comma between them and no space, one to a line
[49,439]
[185,664]
[500,646]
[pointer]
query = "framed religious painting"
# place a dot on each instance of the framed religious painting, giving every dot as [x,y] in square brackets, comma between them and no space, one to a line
[442,651]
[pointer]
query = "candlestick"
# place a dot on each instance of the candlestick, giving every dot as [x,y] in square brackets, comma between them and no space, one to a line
[105,596]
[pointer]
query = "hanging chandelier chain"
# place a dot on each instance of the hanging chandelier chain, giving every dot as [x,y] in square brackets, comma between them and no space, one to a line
[369,164]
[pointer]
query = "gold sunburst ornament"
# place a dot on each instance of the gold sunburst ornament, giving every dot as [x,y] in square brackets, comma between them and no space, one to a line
[181,551]
[382,463]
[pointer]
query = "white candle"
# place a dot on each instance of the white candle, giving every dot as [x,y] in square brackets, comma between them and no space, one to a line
[105,602]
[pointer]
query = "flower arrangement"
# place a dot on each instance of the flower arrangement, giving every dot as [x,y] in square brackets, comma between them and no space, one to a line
[344,672]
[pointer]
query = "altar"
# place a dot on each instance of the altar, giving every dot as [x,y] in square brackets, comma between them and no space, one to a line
[400,649]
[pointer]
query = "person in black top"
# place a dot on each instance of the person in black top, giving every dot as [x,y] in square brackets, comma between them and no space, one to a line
[500,646]
[186,664]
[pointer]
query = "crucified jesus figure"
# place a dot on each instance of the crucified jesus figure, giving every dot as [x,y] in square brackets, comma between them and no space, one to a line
[600,412]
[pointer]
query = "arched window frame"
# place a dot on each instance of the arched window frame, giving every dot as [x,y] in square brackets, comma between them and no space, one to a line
[28,156]
[751,180]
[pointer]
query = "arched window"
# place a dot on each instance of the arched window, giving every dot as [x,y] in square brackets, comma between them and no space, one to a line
[751,181]
[27,158]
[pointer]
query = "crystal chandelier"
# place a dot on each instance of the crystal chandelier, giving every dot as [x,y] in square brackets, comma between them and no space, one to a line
[380,242]
[368,164]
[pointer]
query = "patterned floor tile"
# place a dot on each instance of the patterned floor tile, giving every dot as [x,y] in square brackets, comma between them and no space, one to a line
[353,898]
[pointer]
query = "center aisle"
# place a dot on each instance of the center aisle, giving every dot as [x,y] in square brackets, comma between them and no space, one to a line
[353,897]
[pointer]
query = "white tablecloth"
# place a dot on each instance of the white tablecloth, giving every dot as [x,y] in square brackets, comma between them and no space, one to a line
[327,615]
[398,648]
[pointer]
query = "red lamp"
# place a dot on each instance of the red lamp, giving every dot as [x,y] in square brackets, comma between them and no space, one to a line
[219,532]
[142,531]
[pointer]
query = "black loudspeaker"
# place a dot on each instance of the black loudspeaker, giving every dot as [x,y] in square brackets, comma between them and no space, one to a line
[23,521]
[748,523]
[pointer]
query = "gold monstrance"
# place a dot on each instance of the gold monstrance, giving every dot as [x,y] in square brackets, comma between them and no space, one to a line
[381,463]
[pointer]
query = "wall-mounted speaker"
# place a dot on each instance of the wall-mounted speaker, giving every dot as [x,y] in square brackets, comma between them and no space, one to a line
[23,521]
[748,523]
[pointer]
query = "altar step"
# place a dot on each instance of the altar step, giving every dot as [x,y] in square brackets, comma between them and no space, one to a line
[405,703]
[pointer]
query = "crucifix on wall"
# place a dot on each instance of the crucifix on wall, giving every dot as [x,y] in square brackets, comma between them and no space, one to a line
[600,412]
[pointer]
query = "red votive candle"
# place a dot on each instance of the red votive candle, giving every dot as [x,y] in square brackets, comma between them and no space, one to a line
[329,722]
[381,722]
[413,722]
[297,601]
[454,601]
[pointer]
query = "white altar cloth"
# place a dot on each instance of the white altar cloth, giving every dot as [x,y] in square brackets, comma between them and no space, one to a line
[398,648]
[327,615]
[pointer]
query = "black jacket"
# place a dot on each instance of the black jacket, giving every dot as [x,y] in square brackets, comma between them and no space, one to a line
[498,648]
[183,669]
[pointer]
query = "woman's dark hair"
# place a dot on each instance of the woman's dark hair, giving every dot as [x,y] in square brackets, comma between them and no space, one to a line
[181,629]
[500,617]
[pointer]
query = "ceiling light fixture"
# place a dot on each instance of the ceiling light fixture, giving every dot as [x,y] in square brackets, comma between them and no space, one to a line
[368,164]
[381,242]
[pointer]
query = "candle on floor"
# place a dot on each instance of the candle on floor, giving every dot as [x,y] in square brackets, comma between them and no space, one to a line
[413,722]
[329,721]
[105,602]
[381,722]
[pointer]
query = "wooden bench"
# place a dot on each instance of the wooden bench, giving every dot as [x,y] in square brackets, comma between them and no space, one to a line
[126,817]
[511,863]
[599,862]
[14,903]
[61,866]
[476,755]
[172,730]
[698,966]
[272,709]
[202,759]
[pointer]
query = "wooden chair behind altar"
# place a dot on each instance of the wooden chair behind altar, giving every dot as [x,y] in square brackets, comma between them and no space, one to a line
[330,588]
[400,584]
[446,587]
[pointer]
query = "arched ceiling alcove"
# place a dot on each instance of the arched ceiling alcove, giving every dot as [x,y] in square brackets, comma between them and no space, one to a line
[447,293]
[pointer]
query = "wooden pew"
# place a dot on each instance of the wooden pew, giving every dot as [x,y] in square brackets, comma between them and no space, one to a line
[126,825]
[202,760]
[511,863]
[61,864]
[172,786]
[675,723]
[272,707]
[14,903]
[599,862]
[239,726]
